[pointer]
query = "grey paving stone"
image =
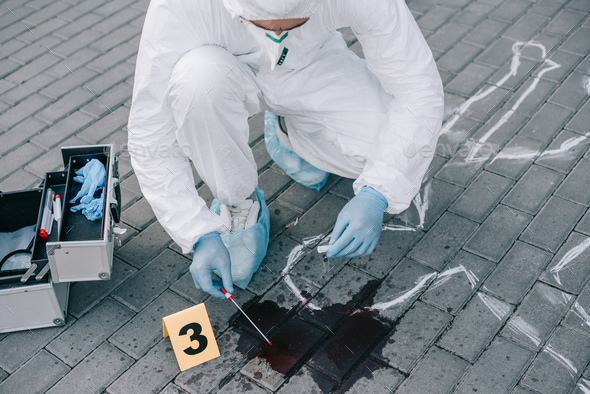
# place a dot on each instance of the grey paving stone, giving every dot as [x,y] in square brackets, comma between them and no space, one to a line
[86,295]
[273,182]
[76,42]
[260,370]
[438,371]
[475,326]
[485,32]
[19,134]
[569,269]
[172,389]
[473,13]
[547,7]
[22,110]
[399,290]
[152,279]
[33,68]
[314,267]
[458,57]
[502,133]
[470,79]
[280,217]
[68,82]
[18,347]
[106,125]
[110,78]
[537,316]
[84,377]
[68,103]
[435,197]
[511,10]
[458,282]
[581,120]
[395,241]
[109,8]
[51,160]
[562,360]
[145,329]
[139,215]
[569,94]
[107,102]
[584,224]
[22,91]
[116,37]
[565,21]
[498,370]
[445,37]
[480,198]
[572,188]
[497,233]
[451,143]
[307,381]
[79,9]
[498,53]
[19,157]
[234,348]
[517,272]
[45,13]
[533,189]
[435,17]
[567,61]
[12,31]
[459,172]
[117,20]
[533,101]
[112,57]
[261,156]
[185,286]
[241,384]
[577,317]
[578,42]
[444,239]
[53,135]
[302,197]
[552,225]
[72,63]
[82,337]
[52,368]
[345,290]
[526,27]
[150,373]
[78,25]
[371,377]
[546,123]
[564,152]
[142,248]
[19,180]
[516,157]
[412,337]
[309,224]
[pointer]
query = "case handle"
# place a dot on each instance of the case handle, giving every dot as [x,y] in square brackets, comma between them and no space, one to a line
[115,205]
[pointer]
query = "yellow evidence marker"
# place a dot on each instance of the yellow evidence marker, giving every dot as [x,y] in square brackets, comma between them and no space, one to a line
[191,335]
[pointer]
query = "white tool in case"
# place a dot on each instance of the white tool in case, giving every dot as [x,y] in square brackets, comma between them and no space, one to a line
[77,250]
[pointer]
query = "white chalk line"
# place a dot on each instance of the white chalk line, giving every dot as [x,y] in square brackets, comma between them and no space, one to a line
[517,48]
[568,258]
[519,326]
[581,313]
[420,283]
[586,84]
[520,153]
[421,203]
[561,359]
[584,386]
[554,296]
[497,307]
[298,294]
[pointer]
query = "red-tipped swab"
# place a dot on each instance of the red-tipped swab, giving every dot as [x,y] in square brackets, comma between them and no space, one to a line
[231,298]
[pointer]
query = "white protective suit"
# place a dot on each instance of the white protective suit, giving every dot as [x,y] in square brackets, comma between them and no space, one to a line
[201,73]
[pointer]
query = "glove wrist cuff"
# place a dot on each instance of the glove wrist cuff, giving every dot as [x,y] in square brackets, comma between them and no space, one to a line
[375,194]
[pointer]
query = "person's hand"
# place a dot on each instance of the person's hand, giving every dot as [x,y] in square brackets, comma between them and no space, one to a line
[211,254]
[358,226]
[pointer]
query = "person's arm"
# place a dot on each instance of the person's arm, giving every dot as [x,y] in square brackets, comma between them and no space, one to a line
[162,169]
[397,53]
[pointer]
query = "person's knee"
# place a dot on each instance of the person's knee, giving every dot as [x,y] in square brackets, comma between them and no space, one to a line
[200,74]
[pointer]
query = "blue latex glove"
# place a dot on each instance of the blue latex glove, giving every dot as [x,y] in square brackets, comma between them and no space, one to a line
[93,177]
[358,226]
[93,209]
[211,254]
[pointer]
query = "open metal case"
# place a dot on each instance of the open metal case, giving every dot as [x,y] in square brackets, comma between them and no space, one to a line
[78,250]
[34,303]
[84,249]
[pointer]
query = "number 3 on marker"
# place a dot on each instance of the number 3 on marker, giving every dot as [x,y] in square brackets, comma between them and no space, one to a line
[196,336]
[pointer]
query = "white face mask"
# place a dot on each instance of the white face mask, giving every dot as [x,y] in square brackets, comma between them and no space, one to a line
[271,44]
